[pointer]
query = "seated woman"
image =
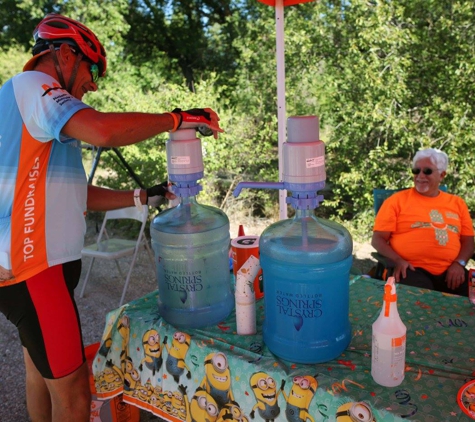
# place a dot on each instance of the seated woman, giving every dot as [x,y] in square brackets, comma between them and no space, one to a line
[426,232]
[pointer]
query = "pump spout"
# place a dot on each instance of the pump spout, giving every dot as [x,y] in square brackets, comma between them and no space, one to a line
[257,185]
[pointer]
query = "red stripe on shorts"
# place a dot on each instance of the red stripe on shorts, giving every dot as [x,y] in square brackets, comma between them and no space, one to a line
[58,320]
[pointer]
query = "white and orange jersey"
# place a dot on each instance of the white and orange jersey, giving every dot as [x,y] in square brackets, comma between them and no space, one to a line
[43,185]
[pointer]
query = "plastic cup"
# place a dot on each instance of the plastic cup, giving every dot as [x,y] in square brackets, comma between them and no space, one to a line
[242,247]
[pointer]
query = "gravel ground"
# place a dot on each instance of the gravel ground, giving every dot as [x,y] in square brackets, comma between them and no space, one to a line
[102,295]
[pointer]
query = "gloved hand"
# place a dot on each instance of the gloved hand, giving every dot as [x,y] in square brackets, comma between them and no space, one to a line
[157,195]
[205,120]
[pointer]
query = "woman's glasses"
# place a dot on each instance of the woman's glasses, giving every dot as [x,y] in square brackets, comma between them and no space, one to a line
[425,170]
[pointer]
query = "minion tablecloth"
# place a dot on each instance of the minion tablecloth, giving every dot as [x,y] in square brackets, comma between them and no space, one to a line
[214,375]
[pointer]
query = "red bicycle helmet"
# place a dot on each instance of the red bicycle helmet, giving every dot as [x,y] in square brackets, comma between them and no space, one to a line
[58,29]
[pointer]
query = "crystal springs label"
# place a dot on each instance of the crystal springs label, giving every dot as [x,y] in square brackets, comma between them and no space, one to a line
[181,281]
[299,306]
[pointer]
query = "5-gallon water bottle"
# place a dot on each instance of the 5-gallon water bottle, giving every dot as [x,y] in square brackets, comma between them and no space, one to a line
[305,260]
[306,265]
[191,244]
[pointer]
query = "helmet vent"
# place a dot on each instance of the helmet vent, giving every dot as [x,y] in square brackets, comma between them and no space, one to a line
[56,24]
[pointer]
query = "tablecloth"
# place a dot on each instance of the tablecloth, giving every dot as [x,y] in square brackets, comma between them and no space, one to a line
[213,374]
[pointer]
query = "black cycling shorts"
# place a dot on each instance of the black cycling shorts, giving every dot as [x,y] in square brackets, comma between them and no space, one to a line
[45,313]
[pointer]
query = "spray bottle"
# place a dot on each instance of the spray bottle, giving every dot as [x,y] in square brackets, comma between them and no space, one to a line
[388,358]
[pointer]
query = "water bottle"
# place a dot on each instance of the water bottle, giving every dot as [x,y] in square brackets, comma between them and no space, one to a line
[306,265]
[388,357]
[305,260]
[191,245]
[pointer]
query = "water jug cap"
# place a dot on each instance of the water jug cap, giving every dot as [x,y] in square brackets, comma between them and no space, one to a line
[186,189]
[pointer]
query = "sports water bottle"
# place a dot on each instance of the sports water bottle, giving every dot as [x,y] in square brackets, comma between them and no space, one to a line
[191,244]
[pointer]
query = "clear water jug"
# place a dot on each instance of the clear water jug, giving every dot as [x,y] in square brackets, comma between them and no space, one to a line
[306,264]
[191,244]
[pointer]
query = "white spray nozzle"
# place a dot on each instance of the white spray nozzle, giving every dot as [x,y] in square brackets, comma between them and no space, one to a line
[391,281]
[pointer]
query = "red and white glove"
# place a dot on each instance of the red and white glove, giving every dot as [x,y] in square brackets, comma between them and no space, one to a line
[205,120]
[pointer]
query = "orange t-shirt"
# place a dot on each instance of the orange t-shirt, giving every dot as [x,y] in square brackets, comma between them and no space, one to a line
[425,231]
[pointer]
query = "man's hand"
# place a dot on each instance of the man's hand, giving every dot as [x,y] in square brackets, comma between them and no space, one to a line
[5,274]
[455,275]
[158,194]
[205,120]
[400,270]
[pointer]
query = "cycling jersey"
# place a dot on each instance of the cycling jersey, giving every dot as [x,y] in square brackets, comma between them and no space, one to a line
[43,185]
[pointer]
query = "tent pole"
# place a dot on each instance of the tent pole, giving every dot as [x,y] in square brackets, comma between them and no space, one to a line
[281,112]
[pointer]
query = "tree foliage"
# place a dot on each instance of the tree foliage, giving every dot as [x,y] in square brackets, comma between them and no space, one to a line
[399,81]
[386,78]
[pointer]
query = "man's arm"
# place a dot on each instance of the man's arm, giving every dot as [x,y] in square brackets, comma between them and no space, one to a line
[456,272]
[119,129]
[103,199]
[116,129]
[380,242]
[466,248]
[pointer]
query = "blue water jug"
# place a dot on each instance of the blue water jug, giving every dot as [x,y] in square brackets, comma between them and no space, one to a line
[305,260]
[306,263]
[191,244]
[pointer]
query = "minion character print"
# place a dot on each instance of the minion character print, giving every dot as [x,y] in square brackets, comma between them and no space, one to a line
[231,412]
[111,378]
[266,395]
[217,379]
[175,362]
[355,412]
[299,398]
[131,375]
[123,327]
[152,351]
[201,408]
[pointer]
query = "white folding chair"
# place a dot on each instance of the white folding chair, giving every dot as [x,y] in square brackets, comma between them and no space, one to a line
[108,247]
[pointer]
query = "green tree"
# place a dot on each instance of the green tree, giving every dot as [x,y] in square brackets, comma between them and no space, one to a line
[385,77]
[390,78]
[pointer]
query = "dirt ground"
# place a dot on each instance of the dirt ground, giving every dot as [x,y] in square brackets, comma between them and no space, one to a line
[102,295]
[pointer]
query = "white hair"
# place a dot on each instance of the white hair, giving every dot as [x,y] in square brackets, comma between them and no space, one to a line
[436,156]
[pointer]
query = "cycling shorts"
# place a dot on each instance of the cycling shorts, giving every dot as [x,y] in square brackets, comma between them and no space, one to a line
[45,313]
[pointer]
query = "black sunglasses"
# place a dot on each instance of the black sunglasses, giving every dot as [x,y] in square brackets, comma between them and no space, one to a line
[93,68]
[425,170]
